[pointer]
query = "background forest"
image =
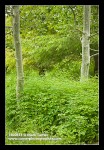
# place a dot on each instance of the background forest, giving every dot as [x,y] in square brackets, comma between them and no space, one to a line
[53,101]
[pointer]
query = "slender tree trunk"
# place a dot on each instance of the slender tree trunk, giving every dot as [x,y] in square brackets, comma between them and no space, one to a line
[86,43]
[18,51]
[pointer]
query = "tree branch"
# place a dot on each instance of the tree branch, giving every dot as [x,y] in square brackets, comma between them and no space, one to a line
[94,55]
[93,49]
[94,34]
[81,31]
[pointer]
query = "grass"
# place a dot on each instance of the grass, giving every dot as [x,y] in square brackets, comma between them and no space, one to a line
[57,106]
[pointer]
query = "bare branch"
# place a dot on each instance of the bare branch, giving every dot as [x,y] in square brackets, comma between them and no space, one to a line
[81,31]
[94,34]
[93,49]
[94,55]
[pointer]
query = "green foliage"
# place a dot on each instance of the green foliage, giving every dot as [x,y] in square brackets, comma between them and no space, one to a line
[66,109]
[9,42]
[46,51]
[67,68]
[49,36]
[57,103]
[10,60]
[9,33]
[44,20]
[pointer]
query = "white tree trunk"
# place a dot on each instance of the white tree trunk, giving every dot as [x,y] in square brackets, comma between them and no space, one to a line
[86,43]
[18,51]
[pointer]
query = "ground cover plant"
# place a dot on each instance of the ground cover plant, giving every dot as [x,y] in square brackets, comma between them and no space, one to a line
[60,107]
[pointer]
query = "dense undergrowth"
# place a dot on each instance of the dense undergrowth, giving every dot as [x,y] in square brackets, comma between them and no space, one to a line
[58,106]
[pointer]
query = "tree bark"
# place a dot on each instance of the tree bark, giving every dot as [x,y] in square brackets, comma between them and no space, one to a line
[86,43]
[18,51]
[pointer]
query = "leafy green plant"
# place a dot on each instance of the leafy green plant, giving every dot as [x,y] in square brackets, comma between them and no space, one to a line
[66,109]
